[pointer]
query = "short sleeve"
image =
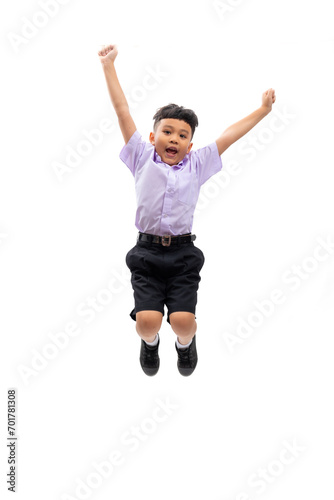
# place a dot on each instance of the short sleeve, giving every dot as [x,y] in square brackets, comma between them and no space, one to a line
[132,151]
[208,162]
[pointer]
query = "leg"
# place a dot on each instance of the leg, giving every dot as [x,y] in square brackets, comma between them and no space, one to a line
[148,324]
[149,290]
[181,292]
[149,293]
[184,325]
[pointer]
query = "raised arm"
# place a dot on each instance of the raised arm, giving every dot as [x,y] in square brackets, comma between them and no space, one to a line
[239,129]
[107,57]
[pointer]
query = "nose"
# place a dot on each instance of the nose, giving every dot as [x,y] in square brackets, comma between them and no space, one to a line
[173,139]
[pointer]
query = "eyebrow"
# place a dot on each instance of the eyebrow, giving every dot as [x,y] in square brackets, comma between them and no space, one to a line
[181,129]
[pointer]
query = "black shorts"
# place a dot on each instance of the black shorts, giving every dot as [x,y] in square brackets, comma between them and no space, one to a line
[162,275]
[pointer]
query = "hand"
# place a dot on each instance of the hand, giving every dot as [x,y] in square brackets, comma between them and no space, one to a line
[268,99]
[108,53]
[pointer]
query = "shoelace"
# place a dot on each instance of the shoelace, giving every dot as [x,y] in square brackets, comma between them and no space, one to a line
[185,355]
[151,355]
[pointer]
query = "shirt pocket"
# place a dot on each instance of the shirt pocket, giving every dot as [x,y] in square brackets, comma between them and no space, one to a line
[186,188]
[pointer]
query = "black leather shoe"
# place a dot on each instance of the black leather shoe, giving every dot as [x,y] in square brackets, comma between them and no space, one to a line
[187,358]
[149,358]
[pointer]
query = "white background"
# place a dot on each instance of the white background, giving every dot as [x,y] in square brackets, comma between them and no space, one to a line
[62,241]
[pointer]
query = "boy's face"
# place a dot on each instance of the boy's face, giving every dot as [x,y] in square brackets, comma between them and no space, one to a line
[172,140]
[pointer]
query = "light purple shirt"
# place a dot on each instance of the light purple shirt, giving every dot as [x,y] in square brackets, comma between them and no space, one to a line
[167,195]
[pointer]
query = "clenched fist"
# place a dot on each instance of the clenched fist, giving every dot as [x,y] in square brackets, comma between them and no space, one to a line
[268,98]
[108,53]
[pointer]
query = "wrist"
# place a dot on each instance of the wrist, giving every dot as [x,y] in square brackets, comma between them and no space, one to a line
[107,63]
[265,110]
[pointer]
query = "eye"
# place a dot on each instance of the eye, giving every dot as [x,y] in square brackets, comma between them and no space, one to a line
[167,131]
[183,136]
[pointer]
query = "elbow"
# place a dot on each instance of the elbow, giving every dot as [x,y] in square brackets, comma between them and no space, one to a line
[122,110]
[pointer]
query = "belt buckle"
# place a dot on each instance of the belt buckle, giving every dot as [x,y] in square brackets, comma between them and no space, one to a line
[166,240]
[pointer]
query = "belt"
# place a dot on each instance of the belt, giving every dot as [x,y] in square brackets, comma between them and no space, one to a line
[167,239]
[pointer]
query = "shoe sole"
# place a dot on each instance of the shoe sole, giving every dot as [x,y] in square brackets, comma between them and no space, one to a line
[186,371]
[150,371]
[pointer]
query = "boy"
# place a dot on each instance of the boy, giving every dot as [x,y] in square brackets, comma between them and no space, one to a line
[165,264]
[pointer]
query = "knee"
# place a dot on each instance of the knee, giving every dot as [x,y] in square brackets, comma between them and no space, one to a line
[183,323]
[148,323]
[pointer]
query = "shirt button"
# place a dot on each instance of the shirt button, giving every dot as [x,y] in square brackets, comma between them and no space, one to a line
[170,190]
[165,215]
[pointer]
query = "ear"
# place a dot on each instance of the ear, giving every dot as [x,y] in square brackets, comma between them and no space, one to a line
[152,138]
[189,147]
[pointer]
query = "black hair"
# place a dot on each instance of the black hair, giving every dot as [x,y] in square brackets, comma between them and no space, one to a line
[178,112]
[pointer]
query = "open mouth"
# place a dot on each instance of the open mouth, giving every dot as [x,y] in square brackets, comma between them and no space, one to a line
[171,152]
